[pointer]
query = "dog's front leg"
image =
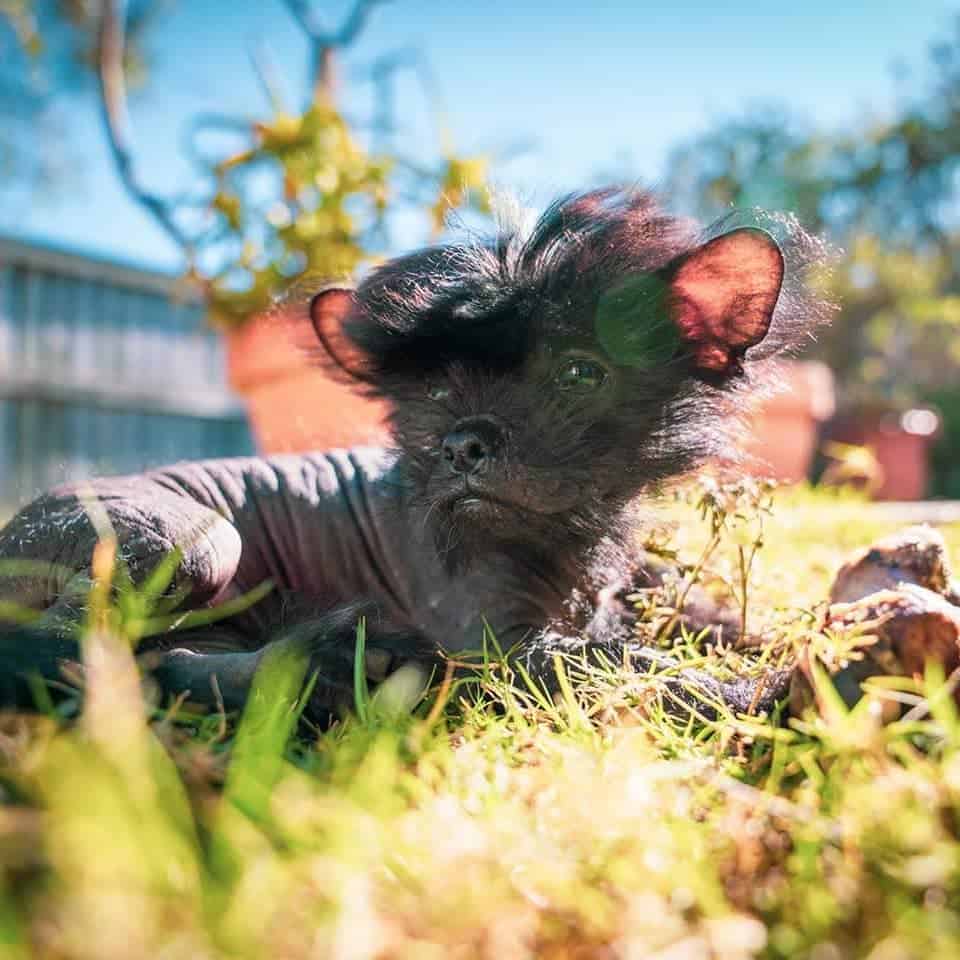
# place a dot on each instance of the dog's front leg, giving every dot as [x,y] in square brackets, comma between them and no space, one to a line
[322,648]
[683,689]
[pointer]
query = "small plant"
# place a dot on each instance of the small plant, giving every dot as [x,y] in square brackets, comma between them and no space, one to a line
[298,193]
[330,201]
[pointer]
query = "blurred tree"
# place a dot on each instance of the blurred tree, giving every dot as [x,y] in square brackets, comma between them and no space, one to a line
[900,177]
[764,158]
[47,50]
[897,178]
[295,193]
[887,193]
[896,339]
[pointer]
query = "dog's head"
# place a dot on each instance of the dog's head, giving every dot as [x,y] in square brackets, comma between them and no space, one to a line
[538,382]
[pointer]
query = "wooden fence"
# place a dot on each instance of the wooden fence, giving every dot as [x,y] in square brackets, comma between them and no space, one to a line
[103,369]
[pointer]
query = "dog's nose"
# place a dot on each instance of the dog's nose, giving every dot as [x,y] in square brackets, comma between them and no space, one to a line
[470,445]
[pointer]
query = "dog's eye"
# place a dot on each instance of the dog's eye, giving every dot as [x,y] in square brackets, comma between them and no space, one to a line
[580,375]
[437,391]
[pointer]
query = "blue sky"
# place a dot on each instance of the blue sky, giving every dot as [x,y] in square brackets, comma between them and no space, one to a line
[594,87]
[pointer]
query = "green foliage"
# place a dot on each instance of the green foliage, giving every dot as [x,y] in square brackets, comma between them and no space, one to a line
[898,334]
[884,191]
[327,185]
[764,158]
[944,459]
[329,197]
[487,821]
[299,197]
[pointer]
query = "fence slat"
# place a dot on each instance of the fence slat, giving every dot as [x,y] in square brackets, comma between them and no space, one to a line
[103,372]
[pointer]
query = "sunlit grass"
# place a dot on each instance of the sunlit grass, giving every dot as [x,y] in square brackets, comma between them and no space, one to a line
[483,820]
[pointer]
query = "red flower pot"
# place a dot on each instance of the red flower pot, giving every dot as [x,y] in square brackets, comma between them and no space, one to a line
[293,403]
[901,444]
[784,428]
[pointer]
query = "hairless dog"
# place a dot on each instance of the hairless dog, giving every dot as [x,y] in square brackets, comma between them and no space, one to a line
[539,383]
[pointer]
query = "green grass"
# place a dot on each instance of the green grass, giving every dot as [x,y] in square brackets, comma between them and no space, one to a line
[485,821]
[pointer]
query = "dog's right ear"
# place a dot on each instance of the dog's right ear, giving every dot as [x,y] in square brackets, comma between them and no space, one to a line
[329,310]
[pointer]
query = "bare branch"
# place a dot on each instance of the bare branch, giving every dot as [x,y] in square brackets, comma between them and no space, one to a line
[323,43]
[218,127]
[305,14]
[322,70]
[383,74]
[355,22]
[113,101]
[266,73]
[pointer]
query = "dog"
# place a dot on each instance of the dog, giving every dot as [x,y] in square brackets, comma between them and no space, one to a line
[539,383]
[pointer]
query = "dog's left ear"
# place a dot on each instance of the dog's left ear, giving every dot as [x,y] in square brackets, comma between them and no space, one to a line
[722,297]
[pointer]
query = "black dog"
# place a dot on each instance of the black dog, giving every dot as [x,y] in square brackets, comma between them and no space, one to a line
[539,383]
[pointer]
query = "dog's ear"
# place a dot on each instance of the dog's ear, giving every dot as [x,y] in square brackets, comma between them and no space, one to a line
[710,305]
[329,309]
[722,297]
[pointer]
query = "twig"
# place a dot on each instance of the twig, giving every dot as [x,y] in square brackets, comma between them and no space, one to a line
[221,707]
[113,101]
[305,14]
[233,126]
[922,709]
[383,74]
[266,74]
[692,576]
[324,43]
[744,581]
[355,22]
[442,695]
[758,693]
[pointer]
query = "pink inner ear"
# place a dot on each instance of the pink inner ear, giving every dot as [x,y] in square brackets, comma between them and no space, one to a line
[328,311]
[723,296]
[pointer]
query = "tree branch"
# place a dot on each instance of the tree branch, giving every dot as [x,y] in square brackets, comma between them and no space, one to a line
[383,73]
[355,22]
[219,125]
[305,14]
[324,43]
[266,74]
[113,102]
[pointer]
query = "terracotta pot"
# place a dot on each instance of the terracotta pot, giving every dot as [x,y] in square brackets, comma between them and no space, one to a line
[901,444]
[784,428]
[292,403]
[903,457]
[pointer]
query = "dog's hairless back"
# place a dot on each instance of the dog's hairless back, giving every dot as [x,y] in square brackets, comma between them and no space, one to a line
[327,529]
[325,525]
